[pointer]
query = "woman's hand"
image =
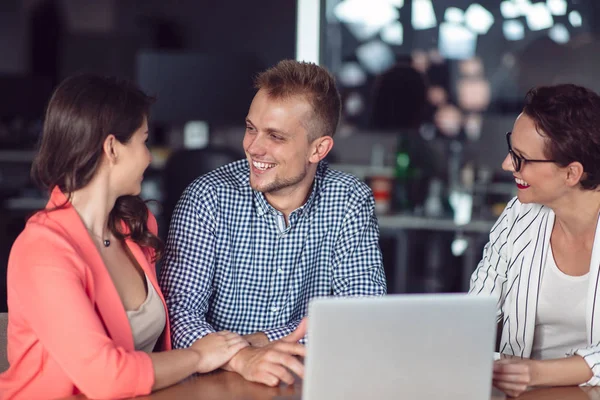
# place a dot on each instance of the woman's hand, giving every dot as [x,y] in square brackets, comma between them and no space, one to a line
[216,349]
[514,375]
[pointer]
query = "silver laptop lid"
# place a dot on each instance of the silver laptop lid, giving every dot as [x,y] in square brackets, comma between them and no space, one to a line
[400,346]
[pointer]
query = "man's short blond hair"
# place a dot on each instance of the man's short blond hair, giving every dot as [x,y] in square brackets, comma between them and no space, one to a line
[291,78]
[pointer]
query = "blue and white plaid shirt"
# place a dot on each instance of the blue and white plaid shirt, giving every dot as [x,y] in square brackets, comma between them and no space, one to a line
[233,264]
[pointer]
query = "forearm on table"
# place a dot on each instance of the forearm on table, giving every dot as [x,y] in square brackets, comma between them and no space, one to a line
[186,331]
[173,366]
[260,339]
[281,331]
[561,372]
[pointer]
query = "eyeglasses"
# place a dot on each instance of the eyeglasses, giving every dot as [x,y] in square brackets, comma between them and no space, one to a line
[519,161]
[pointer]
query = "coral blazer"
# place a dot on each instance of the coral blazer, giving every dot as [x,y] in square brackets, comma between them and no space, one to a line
[68,331]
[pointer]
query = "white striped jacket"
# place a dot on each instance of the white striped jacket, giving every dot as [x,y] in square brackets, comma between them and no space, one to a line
[511,269]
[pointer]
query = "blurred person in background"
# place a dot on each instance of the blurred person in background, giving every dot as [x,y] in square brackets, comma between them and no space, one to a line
[86,314]
[542,262]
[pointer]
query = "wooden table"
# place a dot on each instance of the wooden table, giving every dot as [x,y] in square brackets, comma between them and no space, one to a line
[231,386]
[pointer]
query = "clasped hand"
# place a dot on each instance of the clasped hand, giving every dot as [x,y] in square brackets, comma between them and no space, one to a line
[216,349]
[271,364]
[513,375]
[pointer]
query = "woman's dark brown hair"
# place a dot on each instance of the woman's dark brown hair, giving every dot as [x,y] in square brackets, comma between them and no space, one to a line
[569,117]
[82,112]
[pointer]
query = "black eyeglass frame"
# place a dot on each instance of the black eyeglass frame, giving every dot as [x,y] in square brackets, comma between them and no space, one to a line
[518,161]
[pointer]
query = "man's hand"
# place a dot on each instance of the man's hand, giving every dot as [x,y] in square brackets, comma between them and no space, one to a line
[216,349]
[514,375]
[258,339]
[272,363]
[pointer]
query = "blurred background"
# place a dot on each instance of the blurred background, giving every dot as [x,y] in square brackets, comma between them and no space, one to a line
[429,89]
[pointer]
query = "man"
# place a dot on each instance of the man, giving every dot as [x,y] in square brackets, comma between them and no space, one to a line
[252,242]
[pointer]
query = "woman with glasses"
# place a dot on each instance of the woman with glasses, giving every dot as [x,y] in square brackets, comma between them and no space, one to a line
[542,262]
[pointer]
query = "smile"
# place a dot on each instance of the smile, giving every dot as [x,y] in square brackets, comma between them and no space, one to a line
[262,166]
[521,183]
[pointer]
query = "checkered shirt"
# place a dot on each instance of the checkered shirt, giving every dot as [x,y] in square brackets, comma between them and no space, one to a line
[233,264]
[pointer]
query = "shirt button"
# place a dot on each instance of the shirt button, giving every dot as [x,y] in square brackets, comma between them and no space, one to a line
[274,309]
[280,270]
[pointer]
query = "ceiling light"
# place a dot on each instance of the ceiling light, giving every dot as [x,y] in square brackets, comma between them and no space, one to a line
[559,33]
[575,19]
[509,10]
[366,16]
[513,30]
[523,6]
[456,42]
[393,34]
[396,3]
[423,16]
[351,74]
[478,19]
[375,56]
[539,17]
[354,104]
[557,7]
[454,15]
[362,32]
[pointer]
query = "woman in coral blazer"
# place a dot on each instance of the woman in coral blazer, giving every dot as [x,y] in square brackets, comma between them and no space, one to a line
[86,314]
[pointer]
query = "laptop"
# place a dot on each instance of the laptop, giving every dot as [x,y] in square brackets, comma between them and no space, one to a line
[400,347]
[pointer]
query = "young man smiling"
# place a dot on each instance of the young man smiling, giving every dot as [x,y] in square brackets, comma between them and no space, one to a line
[252,242]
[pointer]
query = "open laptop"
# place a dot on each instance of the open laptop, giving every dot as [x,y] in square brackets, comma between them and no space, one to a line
[400,347]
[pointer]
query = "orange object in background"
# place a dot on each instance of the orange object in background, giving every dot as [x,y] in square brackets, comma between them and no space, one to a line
[382,192]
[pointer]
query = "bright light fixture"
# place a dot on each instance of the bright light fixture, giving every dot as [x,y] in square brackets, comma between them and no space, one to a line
[393,34]
[351,74]
[513,30]
[354,104]
[456,42]
[575,19]
[557,7]
[559,33]
[363,32]
[375,56]
[454,15]
[368,17]
[396,3]
[423,16]
[523,6]
[478,19]
[539,17]
[509,10]
[377,13]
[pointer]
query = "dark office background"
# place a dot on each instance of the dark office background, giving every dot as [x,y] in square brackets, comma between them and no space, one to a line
[199,58]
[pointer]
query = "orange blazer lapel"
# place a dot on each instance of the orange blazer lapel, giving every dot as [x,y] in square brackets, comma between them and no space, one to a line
[107,300]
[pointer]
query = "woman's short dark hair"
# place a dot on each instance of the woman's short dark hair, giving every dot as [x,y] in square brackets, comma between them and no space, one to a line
[82,112]
[569,117]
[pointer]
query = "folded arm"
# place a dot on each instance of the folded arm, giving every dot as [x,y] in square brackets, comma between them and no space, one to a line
[357,260]
[188,269]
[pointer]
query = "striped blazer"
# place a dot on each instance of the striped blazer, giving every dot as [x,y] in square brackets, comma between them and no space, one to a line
[511,268]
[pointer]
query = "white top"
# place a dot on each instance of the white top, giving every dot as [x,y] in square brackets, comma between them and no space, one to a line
[560,325]
[148,321]
[511,269]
